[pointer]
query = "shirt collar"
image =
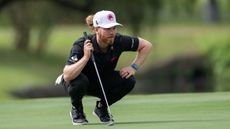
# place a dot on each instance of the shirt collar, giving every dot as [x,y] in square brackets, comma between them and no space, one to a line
[96,46]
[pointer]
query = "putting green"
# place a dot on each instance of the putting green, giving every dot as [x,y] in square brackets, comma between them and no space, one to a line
[163,111]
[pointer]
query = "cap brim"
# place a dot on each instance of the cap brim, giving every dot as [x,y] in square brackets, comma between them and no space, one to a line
[111,25]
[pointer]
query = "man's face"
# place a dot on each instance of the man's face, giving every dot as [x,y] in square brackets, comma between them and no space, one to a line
[106,35]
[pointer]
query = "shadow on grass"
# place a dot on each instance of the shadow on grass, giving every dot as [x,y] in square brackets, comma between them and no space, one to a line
[156,122]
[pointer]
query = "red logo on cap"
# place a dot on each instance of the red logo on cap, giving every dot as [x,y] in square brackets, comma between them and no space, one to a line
[110,17]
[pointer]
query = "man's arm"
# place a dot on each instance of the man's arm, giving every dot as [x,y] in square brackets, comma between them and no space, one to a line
[143,51]
[70,72]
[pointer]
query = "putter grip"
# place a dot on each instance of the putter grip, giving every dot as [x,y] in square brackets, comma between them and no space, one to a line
[86,37]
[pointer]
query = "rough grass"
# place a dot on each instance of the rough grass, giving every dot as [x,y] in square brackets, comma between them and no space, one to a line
[163,111]
[19,69]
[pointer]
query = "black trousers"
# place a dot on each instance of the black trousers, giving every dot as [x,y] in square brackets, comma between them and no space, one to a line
[114,85]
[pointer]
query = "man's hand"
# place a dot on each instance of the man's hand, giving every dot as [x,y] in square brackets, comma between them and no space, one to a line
[88,49]
[126,72]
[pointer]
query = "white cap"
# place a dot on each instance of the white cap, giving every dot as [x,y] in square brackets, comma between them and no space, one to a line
[105,19]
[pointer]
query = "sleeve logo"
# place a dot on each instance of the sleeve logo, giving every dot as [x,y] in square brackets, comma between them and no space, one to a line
[74,58]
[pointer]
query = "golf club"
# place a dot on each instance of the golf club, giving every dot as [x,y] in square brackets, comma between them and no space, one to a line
[102,88]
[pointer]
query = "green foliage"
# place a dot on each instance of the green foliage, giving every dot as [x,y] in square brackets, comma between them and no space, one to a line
[216,46]
[220,56]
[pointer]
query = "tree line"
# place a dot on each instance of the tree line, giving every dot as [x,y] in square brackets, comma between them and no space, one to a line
[44,14]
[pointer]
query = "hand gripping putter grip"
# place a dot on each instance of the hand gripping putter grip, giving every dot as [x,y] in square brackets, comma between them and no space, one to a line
[102,88]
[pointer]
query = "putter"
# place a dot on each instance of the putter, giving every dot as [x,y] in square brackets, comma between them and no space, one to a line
[102,88]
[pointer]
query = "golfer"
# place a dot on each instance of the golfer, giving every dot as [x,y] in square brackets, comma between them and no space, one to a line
[106,45]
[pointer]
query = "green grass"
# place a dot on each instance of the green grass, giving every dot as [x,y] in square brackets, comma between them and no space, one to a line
[163,111]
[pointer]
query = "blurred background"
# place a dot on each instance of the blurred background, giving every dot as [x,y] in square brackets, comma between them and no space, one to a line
[191,43]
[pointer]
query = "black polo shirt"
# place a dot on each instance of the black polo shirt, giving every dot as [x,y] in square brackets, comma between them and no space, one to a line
[106,62]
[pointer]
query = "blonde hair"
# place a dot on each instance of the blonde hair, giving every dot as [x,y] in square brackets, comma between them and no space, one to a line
[89,21]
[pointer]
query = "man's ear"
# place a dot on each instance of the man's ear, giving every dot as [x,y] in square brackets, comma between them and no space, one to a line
[96,29]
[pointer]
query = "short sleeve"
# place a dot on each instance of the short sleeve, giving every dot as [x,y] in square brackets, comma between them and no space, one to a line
[76,53]
[128,43]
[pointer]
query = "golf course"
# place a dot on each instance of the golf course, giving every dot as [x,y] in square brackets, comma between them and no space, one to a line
[159,111]
[182,83]
[153,111]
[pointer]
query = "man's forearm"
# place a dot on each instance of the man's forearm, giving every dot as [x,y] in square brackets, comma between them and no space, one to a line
[143,52]
[72,71]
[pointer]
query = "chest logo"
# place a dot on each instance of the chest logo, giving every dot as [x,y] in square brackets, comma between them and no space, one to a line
[114,59]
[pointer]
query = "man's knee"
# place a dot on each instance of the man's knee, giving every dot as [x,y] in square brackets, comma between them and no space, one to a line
[130,83]
[78,85]
[132,80]
[123,89]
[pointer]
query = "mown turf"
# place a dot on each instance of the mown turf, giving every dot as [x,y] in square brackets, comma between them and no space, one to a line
[165,111]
